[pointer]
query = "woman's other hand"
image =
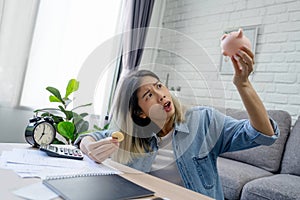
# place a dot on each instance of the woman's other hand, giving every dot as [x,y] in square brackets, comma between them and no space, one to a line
[98,150]
[243,63]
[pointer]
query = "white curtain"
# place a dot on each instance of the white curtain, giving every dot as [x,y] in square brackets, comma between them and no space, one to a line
[17,20]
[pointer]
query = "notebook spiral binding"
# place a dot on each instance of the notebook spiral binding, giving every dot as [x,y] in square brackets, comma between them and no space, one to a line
[55,177]
[99,171]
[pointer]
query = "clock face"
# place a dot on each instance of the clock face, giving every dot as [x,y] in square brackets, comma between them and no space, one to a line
[44,133]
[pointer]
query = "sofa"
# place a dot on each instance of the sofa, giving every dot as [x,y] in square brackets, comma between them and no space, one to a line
[264,172]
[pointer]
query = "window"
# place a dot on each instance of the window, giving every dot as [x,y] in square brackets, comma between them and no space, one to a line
[66,32]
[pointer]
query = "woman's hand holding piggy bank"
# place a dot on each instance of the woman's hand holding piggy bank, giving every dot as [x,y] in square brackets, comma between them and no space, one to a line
[232,42]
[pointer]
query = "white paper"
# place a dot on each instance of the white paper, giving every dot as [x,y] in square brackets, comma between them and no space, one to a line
[35,157]
[34,163]
[36,191]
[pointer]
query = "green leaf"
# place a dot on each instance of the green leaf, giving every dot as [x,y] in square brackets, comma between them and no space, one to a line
[76,118]
[106,126]
[54,99]
[73,86]
[57,119]
[84,115]
[66,129]
[56,141]
[55,92]
[69,114]
[97,128]
[82,126]
[82,106]
[46,109]
[101,129]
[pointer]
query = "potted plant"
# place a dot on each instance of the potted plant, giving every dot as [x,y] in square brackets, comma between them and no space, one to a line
[68,123]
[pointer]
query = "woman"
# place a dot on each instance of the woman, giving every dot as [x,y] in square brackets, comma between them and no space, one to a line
[155,125]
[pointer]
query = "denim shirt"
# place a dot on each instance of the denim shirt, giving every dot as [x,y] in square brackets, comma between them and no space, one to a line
[205,134]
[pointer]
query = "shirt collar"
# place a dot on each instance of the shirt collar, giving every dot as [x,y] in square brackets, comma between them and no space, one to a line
[182,127]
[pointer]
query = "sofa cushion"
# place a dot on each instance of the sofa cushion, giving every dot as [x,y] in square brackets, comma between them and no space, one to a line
[265,157]
[291,159]
[279,187]
[234,175]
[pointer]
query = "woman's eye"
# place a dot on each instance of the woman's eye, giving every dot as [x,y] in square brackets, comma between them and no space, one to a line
[159,85]
[148,96]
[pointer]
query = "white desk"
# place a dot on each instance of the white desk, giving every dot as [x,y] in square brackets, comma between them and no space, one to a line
[10,181]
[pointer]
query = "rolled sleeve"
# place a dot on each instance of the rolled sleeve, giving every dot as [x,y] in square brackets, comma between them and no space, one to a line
[261,138]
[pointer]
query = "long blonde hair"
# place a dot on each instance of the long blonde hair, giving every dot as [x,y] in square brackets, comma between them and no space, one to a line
[125,118]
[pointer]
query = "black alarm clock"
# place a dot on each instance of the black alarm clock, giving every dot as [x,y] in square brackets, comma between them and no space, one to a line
[40,131]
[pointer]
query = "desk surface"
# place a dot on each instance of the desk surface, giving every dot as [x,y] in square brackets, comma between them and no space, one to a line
[10,181]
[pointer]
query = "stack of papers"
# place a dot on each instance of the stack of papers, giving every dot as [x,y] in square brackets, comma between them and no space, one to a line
[35,163]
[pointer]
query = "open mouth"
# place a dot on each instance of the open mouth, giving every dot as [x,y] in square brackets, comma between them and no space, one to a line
[167,106]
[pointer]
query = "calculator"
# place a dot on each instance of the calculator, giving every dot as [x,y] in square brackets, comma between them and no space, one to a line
[62,151]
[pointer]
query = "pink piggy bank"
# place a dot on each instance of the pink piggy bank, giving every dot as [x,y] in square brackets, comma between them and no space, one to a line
[232,42]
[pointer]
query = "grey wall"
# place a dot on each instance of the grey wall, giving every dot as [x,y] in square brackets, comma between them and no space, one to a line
[13,122]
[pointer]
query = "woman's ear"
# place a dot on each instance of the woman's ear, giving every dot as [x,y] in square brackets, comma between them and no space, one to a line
[139,113]
[140,118]
[142,115]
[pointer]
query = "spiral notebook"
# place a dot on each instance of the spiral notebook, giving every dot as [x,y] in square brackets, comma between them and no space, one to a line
[96,187]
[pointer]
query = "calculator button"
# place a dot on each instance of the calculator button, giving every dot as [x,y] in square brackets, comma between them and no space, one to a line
[75,153]
[66,151]
[78,152]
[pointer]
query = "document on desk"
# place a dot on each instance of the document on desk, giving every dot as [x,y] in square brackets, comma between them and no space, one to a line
[41,192]
[35,163]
